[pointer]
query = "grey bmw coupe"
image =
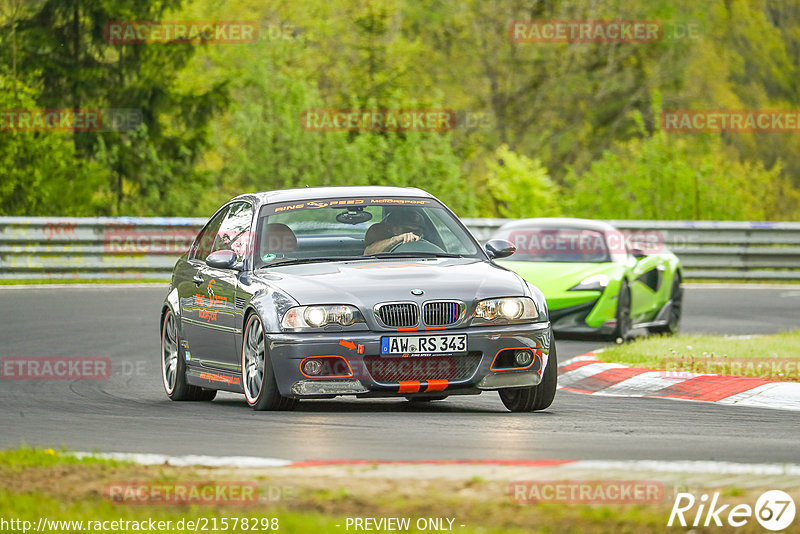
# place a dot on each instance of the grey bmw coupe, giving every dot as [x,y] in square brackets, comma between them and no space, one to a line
[364,291]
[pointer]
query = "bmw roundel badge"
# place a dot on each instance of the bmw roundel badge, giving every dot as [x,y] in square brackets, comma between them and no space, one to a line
[417,292]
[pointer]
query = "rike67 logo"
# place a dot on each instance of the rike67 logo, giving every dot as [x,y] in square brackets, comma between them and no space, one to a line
[774,510]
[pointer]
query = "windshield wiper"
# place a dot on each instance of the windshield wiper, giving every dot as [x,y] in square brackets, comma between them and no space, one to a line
[377,256]
[385,255]
[299,261]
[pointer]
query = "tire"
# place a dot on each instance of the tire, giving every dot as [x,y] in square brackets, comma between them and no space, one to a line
[258,378]
[426,399]
[673,322]
[173,367]
[623,315]
[206,395]
[535,398]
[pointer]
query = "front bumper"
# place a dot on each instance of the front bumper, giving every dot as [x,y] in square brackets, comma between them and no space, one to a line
[287,351]
[596,315]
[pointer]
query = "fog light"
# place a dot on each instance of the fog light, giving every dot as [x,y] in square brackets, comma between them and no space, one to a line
[312,367]
[523,358]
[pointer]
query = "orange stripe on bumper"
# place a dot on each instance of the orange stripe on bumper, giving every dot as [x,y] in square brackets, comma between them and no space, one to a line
[437,385]
[409,386]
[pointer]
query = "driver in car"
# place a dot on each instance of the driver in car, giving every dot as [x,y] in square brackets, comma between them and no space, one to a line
[398,227]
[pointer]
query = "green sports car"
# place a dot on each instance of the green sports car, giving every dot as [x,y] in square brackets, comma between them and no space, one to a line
[597,279]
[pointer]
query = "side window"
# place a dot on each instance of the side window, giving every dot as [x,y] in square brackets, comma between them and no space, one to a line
[234,233]
[205,241]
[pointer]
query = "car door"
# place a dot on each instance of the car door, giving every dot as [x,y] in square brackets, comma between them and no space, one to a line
[210,319]
[192,290]
[648,275]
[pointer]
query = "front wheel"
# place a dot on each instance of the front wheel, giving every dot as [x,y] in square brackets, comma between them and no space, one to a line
[623,317]
[258,379]
[173,367]
[674,319]
[535,398]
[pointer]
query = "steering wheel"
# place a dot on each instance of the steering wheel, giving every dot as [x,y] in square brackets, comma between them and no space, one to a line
[416,246]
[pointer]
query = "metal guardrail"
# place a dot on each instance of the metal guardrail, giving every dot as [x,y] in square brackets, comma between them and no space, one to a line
[146,247]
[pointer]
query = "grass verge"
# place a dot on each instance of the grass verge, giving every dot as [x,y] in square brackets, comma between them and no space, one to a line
[774,357]
[36,484]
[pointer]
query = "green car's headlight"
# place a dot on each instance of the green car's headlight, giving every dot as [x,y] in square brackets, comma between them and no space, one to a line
[596,282]
[504,310]
[319,316]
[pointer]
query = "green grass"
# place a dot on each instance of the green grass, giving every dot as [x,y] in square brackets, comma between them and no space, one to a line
[36,483]
[776,356]
[33,506]
[49,281]
[25,457]
[580,518]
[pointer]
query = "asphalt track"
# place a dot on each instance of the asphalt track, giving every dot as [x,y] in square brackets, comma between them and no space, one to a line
[130,413]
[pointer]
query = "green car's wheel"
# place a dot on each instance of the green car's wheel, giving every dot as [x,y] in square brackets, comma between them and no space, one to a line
[624,321]
[534,398]
[676,297]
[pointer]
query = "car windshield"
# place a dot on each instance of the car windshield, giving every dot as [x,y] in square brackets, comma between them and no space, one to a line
[548,244]
[358,227]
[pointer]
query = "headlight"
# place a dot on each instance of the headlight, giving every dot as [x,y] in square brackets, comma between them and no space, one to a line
[509,309]
[319,316]
[596,282]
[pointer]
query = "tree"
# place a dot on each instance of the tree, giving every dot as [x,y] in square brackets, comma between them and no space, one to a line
[62,47]
[691,177]
[516,186]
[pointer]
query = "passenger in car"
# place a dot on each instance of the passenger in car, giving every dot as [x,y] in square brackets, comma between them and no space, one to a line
[278,239]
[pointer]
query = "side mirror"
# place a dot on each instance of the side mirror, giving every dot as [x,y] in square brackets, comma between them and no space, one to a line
[222,259]
[499,248]
[638,252]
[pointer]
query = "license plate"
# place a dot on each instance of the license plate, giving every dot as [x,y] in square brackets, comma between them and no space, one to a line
[438,344]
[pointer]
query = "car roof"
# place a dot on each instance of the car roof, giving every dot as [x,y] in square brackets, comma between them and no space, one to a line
[559,222]
[311,193]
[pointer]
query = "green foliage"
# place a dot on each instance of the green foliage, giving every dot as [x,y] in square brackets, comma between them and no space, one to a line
[60,47]
[517,187]
[668,177]
[26,457]
[572,128]
[40,172]
[260,143]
